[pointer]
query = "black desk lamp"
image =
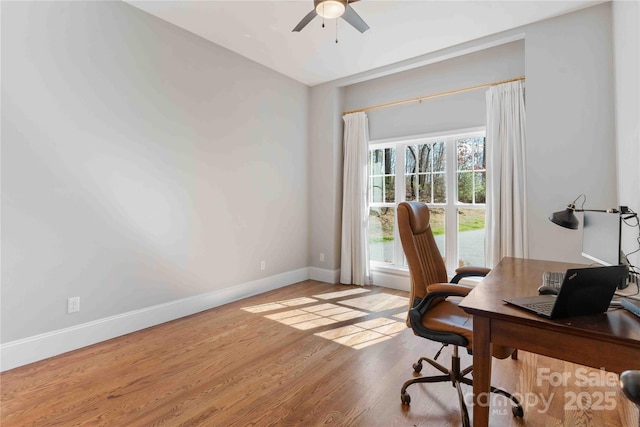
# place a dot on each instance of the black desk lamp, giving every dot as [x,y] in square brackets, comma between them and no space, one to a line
[601,252]
[567,218]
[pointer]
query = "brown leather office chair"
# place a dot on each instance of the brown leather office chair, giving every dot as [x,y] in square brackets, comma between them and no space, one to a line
[433,312]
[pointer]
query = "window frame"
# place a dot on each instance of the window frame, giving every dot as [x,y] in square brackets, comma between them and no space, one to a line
[451,206]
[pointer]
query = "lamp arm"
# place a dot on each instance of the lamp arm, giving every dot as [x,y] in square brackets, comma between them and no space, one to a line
[567,219]
[610,210]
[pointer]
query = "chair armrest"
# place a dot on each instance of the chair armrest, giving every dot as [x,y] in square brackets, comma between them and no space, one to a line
[437,292]
[469,271]
[448,290]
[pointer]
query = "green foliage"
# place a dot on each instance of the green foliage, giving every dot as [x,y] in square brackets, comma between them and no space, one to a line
[471,219]
[466,187]
[382,239]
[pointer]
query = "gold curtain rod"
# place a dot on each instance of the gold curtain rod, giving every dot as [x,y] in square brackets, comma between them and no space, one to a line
[437,95]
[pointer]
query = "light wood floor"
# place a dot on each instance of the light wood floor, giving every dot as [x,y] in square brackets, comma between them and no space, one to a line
[310,354]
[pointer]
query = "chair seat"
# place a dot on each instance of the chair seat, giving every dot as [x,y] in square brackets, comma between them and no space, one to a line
[448,317]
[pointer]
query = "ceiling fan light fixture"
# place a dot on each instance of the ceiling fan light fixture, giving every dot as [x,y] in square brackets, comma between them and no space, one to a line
[330,9]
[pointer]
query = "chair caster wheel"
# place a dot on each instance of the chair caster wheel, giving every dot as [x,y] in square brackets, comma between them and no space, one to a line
[517,411]
[406,399]
[417,367]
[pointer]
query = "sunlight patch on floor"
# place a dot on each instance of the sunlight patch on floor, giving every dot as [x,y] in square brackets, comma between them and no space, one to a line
[364,334]
[279,305]
[315,316]
[318,312]
[377,302]
[341,294]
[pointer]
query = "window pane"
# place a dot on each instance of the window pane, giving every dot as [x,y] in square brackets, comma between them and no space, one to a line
[481,187]
[437,228]
[410,159]
[424,188]
[377,188]
[389,161]
[382,175]
[465,154]
[390,189]
[465,187]
[471,232]
[424,163]
[479,154]
[439,157]
[376,160]
[411,185]
[439,188]
[381,237]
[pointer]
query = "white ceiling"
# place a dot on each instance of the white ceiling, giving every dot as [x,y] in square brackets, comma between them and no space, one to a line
[400,29]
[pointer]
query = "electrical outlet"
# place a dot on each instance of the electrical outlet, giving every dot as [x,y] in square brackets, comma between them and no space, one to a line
[321,257]
[73,305]
[263,265]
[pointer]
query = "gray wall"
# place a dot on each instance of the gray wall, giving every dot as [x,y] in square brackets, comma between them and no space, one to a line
[570,125]
[571,148]
[141,164]
[451,112]
[626,19]
[325,176]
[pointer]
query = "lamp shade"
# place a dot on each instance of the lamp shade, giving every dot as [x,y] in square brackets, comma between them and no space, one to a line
[565,218]
[330,9]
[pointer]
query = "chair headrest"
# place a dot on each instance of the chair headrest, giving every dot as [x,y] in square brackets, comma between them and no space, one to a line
[419,216]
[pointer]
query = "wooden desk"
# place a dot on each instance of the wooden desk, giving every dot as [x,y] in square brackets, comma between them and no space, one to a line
[609,341]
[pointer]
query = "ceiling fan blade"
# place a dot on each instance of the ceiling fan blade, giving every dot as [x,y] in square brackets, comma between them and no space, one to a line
[305,20]
[354,19]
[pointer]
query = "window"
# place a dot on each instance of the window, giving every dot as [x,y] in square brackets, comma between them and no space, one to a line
[448,173]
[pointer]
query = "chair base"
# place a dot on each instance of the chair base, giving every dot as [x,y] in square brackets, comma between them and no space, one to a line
[456,377]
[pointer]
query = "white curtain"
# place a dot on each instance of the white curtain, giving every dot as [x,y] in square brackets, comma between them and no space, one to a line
[354,268]
[506,216]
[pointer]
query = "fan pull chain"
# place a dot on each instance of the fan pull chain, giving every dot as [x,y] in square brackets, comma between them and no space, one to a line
[336,30]
[322,15]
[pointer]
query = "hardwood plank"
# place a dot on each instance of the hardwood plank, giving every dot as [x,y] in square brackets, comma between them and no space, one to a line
[307,354]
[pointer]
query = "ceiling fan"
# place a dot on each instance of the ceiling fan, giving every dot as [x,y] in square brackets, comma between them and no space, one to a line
[334,9]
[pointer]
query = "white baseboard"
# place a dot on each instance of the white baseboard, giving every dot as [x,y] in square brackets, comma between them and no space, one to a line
[391,279]
[323,275]
[39,347]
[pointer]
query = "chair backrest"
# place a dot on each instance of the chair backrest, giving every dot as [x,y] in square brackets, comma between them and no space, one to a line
[425,262]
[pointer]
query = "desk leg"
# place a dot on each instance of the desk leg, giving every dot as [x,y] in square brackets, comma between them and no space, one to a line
[481,370]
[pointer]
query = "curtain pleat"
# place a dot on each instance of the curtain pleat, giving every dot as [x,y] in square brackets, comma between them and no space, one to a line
[354,266]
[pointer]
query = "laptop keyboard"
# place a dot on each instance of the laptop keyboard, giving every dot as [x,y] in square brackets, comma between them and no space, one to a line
[541,307]
[553,279]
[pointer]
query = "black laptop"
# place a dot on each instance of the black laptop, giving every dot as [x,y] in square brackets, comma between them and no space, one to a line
[584,291]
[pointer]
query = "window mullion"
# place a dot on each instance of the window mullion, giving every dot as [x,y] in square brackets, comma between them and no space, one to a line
[400,197]
[451,220]
[473,174]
